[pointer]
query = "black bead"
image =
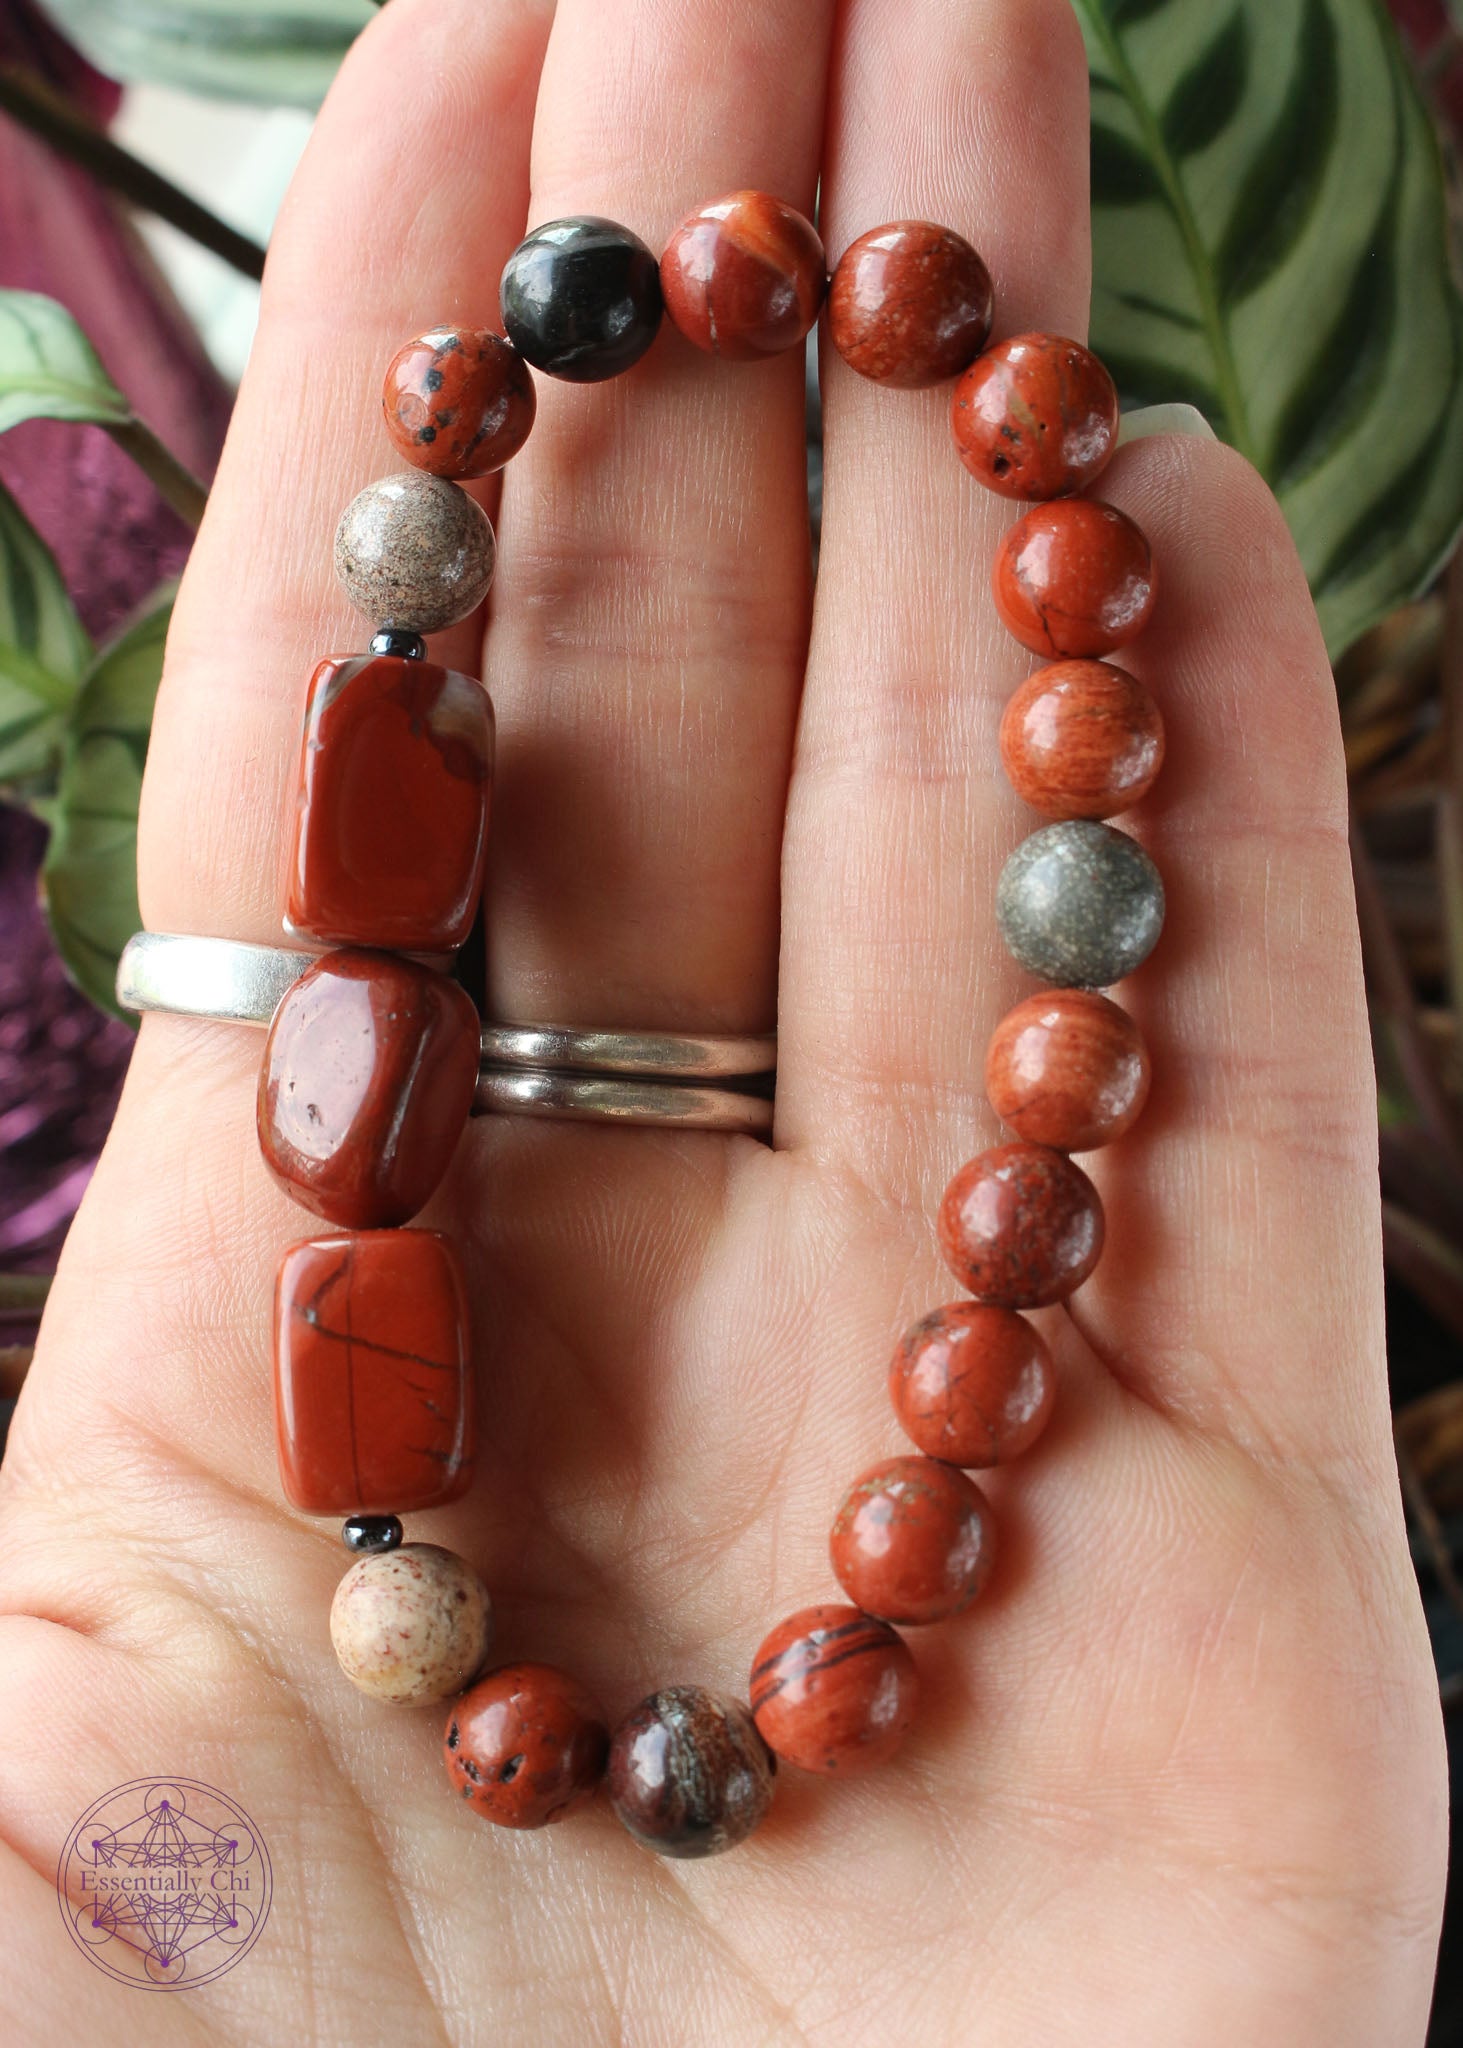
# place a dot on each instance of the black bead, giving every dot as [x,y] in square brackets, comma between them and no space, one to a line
[365,1533]
[581,299]
[394,640]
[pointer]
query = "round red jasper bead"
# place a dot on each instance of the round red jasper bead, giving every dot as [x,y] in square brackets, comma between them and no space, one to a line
[744,276]
[526,1746]
[910,304]
[1068,1069]
[1074,578]
[367,1083]
[459,401]
[972,1384]
[1035,417]
[1082,739]
[1021,1226]
[834,1690]
[913,1541]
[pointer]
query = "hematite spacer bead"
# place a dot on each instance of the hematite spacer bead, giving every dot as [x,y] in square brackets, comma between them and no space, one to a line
[405,646]
[366,1533]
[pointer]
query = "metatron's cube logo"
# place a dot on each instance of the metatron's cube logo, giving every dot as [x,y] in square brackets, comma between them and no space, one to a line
[164,1883]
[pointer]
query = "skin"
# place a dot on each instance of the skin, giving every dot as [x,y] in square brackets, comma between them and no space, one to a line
[1179,1777]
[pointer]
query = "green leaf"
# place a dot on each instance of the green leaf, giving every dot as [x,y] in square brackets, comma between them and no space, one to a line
[89,880]
[44,653]
[286,53]
[48,368]
[1271,244]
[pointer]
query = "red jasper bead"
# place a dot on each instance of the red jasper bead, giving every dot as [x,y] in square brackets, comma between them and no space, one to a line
[391,822]
[367,1083]
[972,1384]
[910,304]
[1020,1226]
[834,1690]
[1082,739]
[1068,1069]
[373,1402]
[1074,578]
[1035,417]
[459,401]
[744,276]
[526,1746]
[913,1541]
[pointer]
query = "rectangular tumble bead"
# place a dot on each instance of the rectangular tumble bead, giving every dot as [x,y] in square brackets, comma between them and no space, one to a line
[392,805]
[372,1380]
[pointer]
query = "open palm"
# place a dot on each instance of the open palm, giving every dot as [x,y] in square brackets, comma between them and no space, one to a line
[1177,1778]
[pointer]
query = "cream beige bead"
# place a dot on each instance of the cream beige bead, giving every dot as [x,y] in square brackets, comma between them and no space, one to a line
[414,552]
[411,1625]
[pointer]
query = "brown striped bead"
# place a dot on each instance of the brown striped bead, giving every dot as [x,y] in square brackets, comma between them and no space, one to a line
[1082,739]
[1068,1069]
[689,1775]
[972,1384]
[743,277]
[913,1541]
[1035,416]
[1021,1226]
[834,1690]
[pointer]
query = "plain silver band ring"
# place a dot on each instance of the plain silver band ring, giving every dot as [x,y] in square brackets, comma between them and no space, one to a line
[628,1077]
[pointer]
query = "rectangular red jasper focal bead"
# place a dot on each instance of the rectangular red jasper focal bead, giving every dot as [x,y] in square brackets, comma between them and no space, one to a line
[391,828]
[372,1380]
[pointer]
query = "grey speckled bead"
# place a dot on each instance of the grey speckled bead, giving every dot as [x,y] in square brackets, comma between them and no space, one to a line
[1080,904]
[412,1624]
[414,552]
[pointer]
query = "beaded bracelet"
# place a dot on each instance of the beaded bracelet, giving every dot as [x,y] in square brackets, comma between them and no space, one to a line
[369,1067]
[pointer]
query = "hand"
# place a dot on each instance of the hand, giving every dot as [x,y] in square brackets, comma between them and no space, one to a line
[1178,1779]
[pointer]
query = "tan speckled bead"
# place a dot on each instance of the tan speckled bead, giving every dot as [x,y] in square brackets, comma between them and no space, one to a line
[414,552]
[411,1625]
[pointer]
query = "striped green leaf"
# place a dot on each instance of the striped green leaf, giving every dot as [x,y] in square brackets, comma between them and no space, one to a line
[1270,243]
[285,54]
[48,368]
[44,653]
[90,876]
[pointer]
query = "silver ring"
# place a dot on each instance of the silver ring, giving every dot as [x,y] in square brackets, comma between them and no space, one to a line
[628,1077]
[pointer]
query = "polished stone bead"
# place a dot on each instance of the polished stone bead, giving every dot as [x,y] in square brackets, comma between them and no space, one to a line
[1080,904]
[688,1773]
[913,1541]
[972,1384]
[581,299]
[367,1084]
[391,814]
[404,646]
[743,277]
[373,1390]
[414,552]
[1082,739]
[834,1690]
[526,1746]
[1068,1069]
[1074,578]
[365,1533]
[410,1626]
[459,401]
[1035,417]
[910,304]
[1020,1226]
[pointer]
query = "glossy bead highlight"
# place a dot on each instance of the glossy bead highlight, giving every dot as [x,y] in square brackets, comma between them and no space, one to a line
[910,304]
[972,1384]
[458,401]
[1068,1069]
[1074,578]
[1020,1226]
[689,1775]
[743,276]
[526,1746]
[581,299]
[1082,739]
[834,1690]
[1035,417]
[913,1541]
